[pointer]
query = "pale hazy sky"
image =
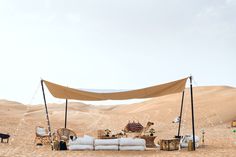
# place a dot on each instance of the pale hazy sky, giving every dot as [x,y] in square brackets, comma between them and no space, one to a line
[106,44]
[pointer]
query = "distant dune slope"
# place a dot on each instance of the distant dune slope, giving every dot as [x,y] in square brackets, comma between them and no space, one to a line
[11,108]
[214,105]
[10,115]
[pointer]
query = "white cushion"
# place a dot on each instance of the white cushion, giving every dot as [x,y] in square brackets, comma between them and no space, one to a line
[184,141]
[89,137]
[106,142]
[86,140]
[41,131]
[132,148]
[107,147]
[132,142]
[80,147]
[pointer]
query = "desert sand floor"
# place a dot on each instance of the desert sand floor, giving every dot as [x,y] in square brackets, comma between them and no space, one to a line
[214,111]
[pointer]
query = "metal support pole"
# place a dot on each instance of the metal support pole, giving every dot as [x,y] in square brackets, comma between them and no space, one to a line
[191,93]
[180,115]
[46,109]
[66,113]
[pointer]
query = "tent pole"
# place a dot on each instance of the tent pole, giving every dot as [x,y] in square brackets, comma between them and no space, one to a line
[180,116]
[66,113]
[46,109]
[191,92]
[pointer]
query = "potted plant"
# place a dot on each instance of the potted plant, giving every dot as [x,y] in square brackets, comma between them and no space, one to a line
[107,132]
[152,131]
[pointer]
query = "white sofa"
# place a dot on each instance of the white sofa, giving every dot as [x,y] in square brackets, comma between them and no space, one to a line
[89,143]
[184,141]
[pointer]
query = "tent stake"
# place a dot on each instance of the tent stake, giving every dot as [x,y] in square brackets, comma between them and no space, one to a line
[191,92]
[46,109]
[66,113]
[180,116]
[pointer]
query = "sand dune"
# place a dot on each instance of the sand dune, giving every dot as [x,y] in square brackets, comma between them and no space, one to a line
[214,103]
[214,110]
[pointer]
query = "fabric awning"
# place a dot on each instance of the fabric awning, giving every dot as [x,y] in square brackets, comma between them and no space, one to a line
[63,92]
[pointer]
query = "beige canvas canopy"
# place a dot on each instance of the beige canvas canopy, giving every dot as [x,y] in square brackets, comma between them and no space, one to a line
[63,92]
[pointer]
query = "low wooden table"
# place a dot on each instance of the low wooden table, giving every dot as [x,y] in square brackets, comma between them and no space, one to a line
[169,144]
[149,141]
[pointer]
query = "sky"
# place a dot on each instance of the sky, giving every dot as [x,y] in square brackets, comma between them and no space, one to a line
[106,44]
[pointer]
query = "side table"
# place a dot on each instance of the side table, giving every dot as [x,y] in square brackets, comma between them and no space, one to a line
[149,141]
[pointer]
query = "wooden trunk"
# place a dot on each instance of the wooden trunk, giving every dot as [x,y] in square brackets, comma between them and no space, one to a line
[169,144]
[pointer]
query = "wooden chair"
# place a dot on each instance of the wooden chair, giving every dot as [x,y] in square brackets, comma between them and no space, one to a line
[100,134]
[233,123]
[4,136]
[42,135]
[64,134]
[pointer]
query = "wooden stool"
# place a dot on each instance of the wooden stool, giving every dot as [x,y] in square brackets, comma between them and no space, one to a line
[56,145]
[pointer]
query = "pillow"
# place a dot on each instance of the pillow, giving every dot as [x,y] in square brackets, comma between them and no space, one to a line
[85,140]
[88,137]
[41,131]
